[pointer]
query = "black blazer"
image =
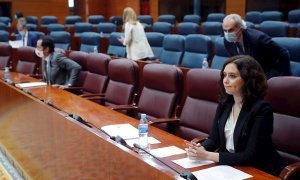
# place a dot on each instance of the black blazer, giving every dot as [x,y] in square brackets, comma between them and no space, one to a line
[274,59]
[252,137]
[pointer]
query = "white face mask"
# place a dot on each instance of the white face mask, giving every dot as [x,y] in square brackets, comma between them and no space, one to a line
[230,37]
[39,53]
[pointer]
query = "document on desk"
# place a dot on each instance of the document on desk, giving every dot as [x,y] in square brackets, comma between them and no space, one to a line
[31,84]
[151,140]
[16,44]
[126,131]
[188,163]
[221,173]
[167,151]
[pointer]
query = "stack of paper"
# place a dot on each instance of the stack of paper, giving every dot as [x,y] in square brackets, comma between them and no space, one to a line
[126,131]
[30,84]
[151,140]
[188,163]
[221,173]
[16,44]
[167,151]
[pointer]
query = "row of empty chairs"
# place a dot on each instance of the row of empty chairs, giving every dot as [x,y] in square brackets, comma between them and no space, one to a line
[190,50]
[69,20]
[257,17]
[28,62]
[187,51]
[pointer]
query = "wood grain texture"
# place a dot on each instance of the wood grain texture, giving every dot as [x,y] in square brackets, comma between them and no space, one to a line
[237,7]
[40,8]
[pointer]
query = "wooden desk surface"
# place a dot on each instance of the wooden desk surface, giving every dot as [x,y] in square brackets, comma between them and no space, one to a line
[46,145]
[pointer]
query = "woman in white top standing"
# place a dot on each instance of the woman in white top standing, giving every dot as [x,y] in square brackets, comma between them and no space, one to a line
[135,40]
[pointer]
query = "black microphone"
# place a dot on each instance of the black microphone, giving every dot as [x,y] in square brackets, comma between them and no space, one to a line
[80,119]
[117,139]
[8,81]
[49,102]
[186,174]
[31,94]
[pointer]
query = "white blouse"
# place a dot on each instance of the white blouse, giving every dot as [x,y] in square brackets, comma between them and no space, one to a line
[135,40]
[229,130]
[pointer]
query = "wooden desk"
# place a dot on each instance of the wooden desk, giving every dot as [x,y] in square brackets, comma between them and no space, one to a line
[44,144]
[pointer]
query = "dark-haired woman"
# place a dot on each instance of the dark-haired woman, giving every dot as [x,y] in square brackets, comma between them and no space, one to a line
[242,130]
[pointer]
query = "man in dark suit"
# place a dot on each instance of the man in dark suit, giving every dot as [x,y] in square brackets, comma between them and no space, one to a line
[239,40]
[28,38]
[57,69]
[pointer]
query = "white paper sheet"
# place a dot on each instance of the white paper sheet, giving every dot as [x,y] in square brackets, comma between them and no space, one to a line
[16,44]
[188,163]
[151,140]
[31,84]
[126,131]
[221,173]
[167,151]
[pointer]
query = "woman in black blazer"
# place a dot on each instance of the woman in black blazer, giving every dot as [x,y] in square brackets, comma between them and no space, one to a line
[242,130]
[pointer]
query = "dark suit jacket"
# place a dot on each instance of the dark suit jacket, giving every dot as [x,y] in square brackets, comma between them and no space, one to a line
[252,137]
[63,71]
[274,59]
[32,39]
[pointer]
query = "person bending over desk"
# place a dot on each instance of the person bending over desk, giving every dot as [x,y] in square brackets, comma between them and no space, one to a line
[238,40]
[57,69]
[135,40]
[241,134]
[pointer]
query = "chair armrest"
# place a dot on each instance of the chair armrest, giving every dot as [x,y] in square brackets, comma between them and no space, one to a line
[131,109]
[73,88]
[289,171]
[92,95]
[37,76]
[199,139]
[125,107]
[95,98]
[163,120]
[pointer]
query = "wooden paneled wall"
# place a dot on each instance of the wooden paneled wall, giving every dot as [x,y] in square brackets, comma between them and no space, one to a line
[238,7]
[58,8]
[84,8]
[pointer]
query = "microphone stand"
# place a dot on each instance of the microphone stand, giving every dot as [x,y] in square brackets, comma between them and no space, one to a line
[186,174]
[117,139]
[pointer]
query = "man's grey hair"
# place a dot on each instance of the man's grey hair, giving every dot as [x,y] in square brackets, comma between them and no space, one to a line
[22,22]
[239,22]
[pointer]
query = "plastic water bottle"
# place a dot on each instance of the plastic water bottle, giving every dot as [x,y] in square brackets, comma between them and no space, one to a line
[204,63]
[143,133]
[95,49]
[101,34]
[7,74]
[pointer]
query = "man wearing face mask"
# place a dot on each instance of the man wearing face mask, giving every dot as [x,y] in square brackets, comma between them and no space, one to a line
[239,40]
[58,70]
[28,39]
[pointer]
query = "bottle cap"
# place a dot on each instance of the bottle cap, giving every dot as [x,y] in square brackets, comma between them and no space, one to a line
[143,116]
